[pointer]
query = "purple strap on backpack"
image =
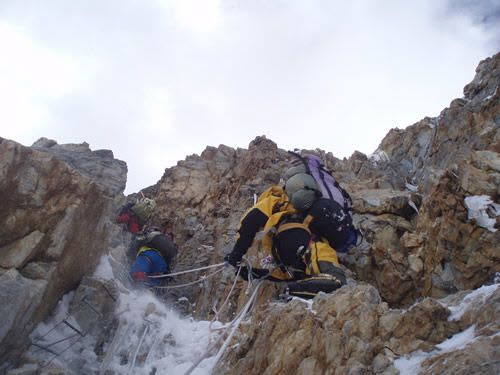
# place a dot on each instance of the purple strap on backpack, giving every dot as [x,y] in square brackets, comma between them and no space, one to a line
[326,182]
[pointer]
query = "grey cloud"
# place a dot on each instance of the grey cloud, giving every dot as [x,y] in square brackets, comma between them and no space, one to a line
[307,74]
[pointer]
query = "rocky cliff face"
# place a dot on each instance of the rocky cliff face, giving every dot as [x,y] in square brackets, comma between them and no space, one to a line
[426,200]
[422,238]
[56,203]
[409,199]
[354,332]
[445,160]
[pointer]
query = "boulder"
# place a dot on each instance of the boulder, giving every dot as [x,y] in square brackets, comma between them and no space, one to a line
[53,229]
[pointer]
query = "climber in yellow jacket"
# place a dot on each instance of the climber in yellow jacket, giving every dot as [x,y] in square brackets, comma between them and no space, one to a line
[303,259]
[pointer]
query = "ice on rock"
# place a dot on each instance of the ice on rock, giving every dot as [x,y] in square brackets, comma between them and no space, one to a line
[482,209]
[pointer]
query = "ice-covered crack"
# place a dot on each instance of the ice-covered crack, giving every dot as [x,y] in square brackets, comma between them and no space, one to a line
[150,337]
[183,341]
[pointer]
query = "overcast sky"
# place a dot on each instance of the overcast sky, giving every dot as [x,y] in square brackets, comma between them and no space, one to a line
[157,80]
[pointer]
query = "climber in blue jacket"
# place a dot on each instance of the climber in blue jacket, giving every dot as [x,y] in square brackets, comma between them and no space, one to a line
[155,252]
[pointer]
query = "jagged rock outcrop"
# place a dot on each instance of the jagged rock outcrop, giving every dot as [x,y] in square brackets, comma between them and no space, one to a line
[56,203]
[99,165]
[444,160]
[408,198]
[353,331]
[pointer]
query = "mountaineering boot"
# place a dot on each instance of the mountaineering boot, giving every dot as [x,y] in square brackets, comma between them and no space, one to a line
[255,273]
[284,295]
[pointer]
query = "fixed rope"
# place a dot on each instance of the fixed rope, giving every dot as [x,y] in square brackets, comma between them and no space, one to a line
[236,323]
[201,279]
[134,358]
[217,311]
[233,324]
[188,271]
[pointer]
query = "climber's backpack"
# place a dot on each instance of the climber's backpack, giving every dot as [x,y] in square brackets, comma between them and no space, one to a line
[332,210]
[143,209]
[155,240]
[328,186]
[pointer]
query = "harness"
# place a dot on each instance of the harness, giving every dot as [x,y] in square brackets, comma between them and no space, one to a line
[284,224]
[142,249]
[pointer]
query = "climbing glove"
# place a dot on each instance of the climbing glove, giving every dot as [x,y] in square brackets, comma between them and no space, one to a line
[256,273]
[139,276]
[232,260]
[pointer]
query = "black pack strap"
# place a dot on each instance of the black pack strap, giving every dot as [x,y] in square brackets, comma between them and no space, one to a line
[298,156]
[278,206]
[277,258]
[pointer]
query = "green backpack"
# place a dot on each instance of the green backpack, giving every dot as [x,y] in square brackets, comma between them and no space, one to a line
[143,209]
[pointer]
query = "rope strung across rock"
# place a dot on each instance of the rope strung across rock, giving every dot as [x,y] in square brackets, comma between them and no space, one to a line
[201,279]
[233,324]
[217,311]
[188,271]
[134,358]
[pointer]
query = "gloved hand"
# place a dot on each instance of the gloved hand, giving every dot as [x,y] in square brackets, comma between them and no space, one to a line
[139,276]
[232,260]
[257,273]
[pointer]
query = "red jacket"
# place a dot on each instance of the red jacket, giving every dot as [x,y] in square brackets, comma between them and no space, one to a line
[131,220]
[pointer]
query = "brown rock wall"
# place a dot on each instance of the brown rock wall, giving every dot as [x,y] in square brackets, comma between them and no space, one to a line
[53,230]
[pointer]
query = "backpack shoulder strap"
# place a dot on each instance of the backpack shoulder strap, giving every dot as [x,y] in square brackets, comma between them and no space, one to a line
[302,159]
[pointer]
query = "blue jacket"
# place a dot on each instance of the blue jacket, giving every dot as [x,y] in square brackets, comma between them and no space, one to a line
[149,262]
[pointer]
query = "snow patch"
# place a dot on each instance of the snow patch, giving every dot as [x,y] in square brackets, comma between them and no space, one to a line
[104,269]
[458,341]
[379,156]
[61,311]
[476,297]
[480,207]
[308,302]
[149,336]
[186,339]
[414,206]
[411,364]
[411,187]
[491,96]
[433,122]
[372,201]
